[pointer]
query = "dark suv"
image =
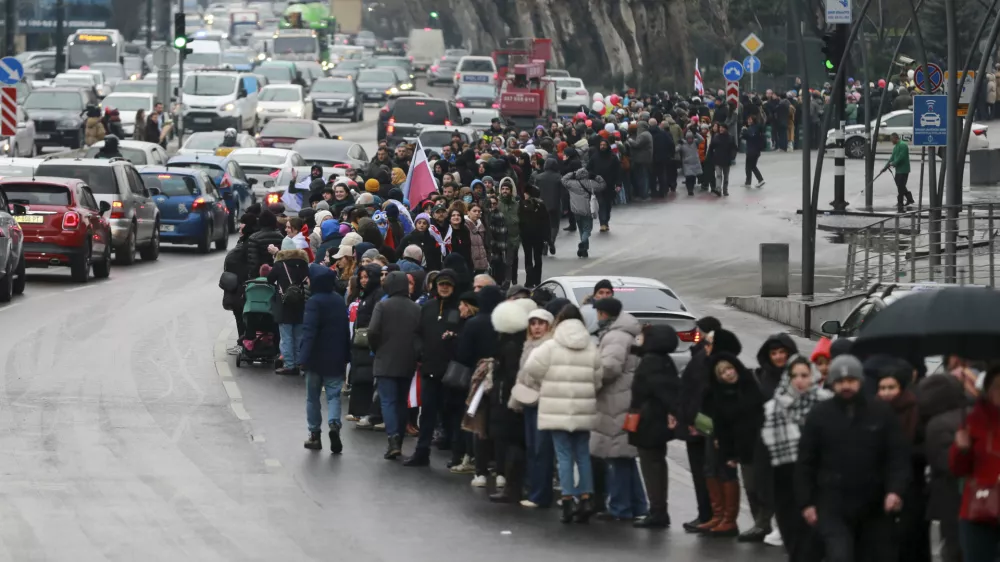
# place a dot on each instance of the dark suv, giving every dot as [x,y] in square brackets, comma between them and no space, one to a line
[134,218]
[59,115]
[410,115]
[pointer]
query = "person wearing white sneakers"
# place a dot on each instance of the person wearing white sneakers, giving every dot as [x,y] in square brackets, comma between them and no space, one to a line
[753,134]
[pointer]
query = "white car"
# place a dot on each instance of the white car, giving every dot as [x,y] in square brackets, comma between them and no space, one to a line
[900,122]
[23,142]
[18,167]
[100,80]
[138,153]
[475,70]
[480,118]
[649,300]
[127,105]
[571,95]
[282,101]
[206,142]
[265,164]
[437,137]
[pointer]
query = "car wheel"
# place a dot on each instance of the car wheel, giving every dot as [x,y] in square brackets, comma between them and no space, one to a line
[80,266]
[7,285]
[855,148]
[20,277]
[126,254]
[205,244]
[151,252]
[102,269]
[223,242]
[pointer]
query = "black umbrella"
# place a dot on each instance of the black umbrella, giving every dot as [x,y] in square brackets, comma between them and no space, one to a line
[963,321]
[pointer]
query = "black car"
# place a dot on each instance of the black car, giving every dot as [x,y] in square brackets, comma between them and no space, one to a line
[348,68]
[385,113]
[476,95]
[59,115]
[336,97]
[410,115]
[377,83]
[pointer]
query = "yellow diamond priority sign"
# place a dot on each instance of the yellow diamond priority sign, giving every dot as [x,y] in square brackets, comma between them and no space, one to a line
[752,44]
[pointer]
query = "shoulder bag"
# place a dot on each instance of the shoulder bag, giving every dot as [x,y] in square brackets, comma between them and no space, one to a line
[457,376]
[984,499]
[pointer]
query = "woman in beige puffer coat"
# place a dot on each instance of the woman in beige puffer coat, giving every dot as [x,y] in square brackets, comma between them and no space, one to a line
[567,371]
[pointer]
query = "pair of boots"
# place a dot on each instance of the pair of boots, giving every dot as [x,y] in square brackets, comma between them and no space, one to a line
[725,499]
[579,512]
[904,199]
[395,448]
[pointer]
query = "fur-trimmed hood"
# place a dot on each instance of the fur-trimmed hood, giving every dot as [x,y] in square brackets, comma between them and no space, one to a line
[296,254]
[509,317]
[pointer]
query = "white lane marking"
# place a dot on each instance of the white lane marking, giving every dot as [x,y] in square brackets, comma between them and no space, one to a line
[240,411]
[223,370]
[80,288]
[9,306]
[220,351]
[272,463]
[233,391]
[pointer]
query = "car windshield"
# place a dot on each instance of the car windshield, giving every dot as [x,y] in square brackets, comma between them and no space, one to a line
[128,103]
[477,65]
[425,112]
[207,59]
[377,76]
[639,299]
[333,86]
[101,179]
[402,63]
[78,80]
[349,64]
[133,155]
[569,83]
[254,158]
[202,141]
[209,85]
[236,58]
[37,194]
[171,185]
[280,94]
[293,129]
[214,171]
[295,45]
[476,91]
[54,100]
[439,138]
[275,73]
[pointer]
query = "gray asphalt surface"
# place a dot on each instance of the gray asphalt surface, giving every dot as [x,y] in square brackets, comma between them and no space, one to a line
[129,434]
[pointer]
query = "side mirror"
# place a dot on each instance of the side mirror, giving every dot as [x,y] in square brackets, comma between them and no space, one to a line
[252,181]
[18,209]
[104,206]
[154,191]
[830,327]
[466,120]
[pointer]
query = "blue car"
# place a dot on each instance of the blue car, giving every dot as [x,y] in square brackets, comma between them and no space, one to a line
[229,179]
[192,211]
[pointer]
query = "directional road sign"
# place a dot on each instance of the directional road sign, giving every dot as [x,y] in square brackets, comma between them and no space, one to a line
[8,112]
[752,44]
[751,64]
[164,55]
[732,70]
[931,82]
[733,92]
[11,70]
[930,120]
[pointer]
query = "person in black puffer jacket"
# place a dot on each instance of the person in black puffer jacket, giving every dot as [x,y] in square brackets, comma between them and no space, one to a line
[236,263]
[267,235]
[534,218]
[291,268]
[362,360]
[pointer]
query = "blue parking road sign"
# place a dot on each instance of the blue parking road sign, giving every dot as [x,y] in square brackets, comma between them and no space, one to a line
[751,64]
[732,71]
[930,120]
[11,71]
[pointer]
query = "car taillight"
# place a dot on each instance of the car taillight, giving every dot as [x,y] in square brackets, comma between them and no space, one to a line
[272,198]
[275,173]
[458,76]
[496,75]
[343,166]
[979,132]
[117,212]
[392,125]
[581,92]
[459,103]
[71,220]
[694,336]
[496,106]
[385,109]
[434,68]
[447,122]
[199,204]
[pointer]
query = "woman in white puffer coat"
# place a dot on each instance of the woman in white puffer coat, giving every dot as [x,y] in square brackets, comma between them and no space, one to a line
[567,370]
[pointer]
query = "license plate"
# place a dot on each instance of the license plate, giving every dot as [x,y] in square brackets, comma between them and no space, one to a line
[166,228]
[30,219]
[282,145]
[42,136]
[479,104]
[202,119]
[475,78]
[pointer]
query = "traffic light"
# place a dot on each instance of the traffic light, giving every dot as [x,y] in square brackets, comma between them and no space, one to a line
[180,35]
[434,15]
[833,52]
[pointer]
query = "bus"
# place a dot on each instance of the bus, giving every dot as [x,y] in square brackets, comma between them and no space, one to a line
[88,46]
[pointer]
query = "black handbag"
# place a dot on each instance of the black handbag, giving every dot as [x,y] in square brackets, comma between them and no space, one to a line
[457,376]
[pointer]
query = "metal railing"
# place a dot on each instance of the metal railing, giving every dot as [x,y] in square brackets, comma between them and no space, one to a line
[908,248]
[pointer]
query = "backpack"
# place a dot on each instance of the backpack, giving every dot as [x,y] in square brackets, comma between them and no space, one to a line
[295,294]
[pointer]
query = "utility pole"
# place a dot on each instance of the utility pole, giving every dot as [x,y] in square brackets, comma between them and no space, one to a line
[953,191]
[839,102]
[60,38]
[149,24]
[9,27]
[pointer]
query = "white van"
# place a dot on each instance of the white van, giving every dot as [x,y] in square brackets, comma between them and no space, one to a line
[205,52]
[215,100]
[475,70]
[425,47]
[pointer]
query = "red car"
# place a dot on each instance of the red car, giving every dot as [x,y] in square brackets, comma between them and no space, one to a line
[63,225]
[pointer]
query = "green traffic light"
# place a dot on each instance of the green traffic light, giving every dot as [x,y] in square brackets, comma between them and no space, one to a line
[434,14]
[180,42]
[829,64]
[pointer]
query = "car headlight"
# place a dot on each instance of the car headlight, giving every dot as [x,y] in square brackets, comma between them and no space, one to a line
[6,147]
[406,86]
[69,124]
[260,109]
[297,110]
[262,56]
[350,101]
[226,108]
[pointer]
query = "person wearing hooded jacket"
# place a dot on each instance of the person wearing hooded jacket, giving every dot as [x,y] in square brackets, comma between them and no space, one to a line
[330,236]
[609,441]
[641,156]
[236,263]
[549,184]
[93,131]
[533,218]
[110,148]
[581,185]
[370,293]
[421,236]
[690,159]
[721,152]
[571,163]
[324,353]
[291,268]
[655,397]
[942,404]
[267,235]
[393,336]
[663,161]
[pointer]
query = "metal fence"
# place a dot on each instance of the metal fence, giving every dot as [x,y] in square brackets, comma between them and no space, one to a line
[908,248]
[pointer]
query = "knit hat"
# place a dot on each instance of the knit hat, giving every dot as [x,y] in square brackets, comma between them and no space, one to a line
[287,243]
[322,206]
[469,297]
[351,239]
[322,216]
[822,349]
[603,284]
[840,346]
[515,289]
[370,254]
[610,306]
[398,177]
[372,185]
[422,216]
[845,367]
[488,179]
[725,341]
[706,324]
[541,314]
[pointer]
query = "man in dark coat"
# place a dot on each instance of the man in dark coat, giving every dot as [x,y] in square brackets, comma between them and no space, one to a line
[236,263]
[421,236]
[663,161]
[605,164]
[853,469]
[324,353]
[394,337]
[291,269]
[267,235]
[721,153]
[549,183]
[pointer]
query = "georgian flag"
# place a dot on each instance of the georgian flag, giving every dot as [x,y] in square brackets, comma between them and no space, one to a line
[413,398]
[699,86]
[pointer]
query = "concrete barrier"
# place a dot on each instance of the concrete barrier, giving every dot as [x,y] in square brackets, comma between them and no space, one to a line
[804,314]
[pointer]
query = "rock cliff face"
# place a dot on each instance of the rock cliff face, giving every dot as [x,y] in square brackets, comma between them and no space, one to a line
[643,43]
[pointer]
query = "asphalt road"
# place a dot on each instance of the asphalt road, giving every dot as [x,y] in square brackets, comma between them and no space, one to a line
[128,433]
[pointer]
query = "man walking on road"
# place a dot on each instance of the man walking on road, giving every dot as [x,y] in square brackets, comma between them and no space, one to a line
[853,468]
[900,160]
[324,354]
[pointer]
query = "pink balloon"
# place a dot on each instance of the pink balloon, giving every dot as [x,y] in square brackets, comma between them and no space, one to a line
[581,115]
[588,123]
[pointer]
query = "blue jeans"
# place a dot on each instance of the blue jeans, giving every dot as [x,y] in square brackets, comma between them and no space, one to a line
[573,449]
[392,393]
[585,223]
[314,415]
[541,458]
[291,335]
[640,180]
[979,541]
[626,497]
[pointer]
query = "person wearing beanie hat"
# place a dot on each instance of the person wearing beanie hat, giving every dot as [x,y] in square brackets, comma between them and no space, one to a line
[603,289]
[518,292]
[821,357]
[840,346]
[892,377]
[316,233]
[323,206]
[257,245]
[371,186]
[420,236]
[853,469]
[708,324]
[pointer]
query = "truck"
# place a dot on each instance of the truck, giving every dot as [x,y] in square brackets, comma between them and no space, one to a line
[425,47]
[311,16]
[348,15]
[243,23]
[527,94]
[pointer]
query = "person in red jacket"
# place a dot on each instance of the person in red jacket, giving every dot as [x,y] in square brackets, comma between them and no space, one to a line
[975,456]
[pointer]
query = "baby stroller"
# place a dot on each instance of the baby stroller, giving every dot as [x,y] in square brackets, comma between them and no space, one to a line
[260,341]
